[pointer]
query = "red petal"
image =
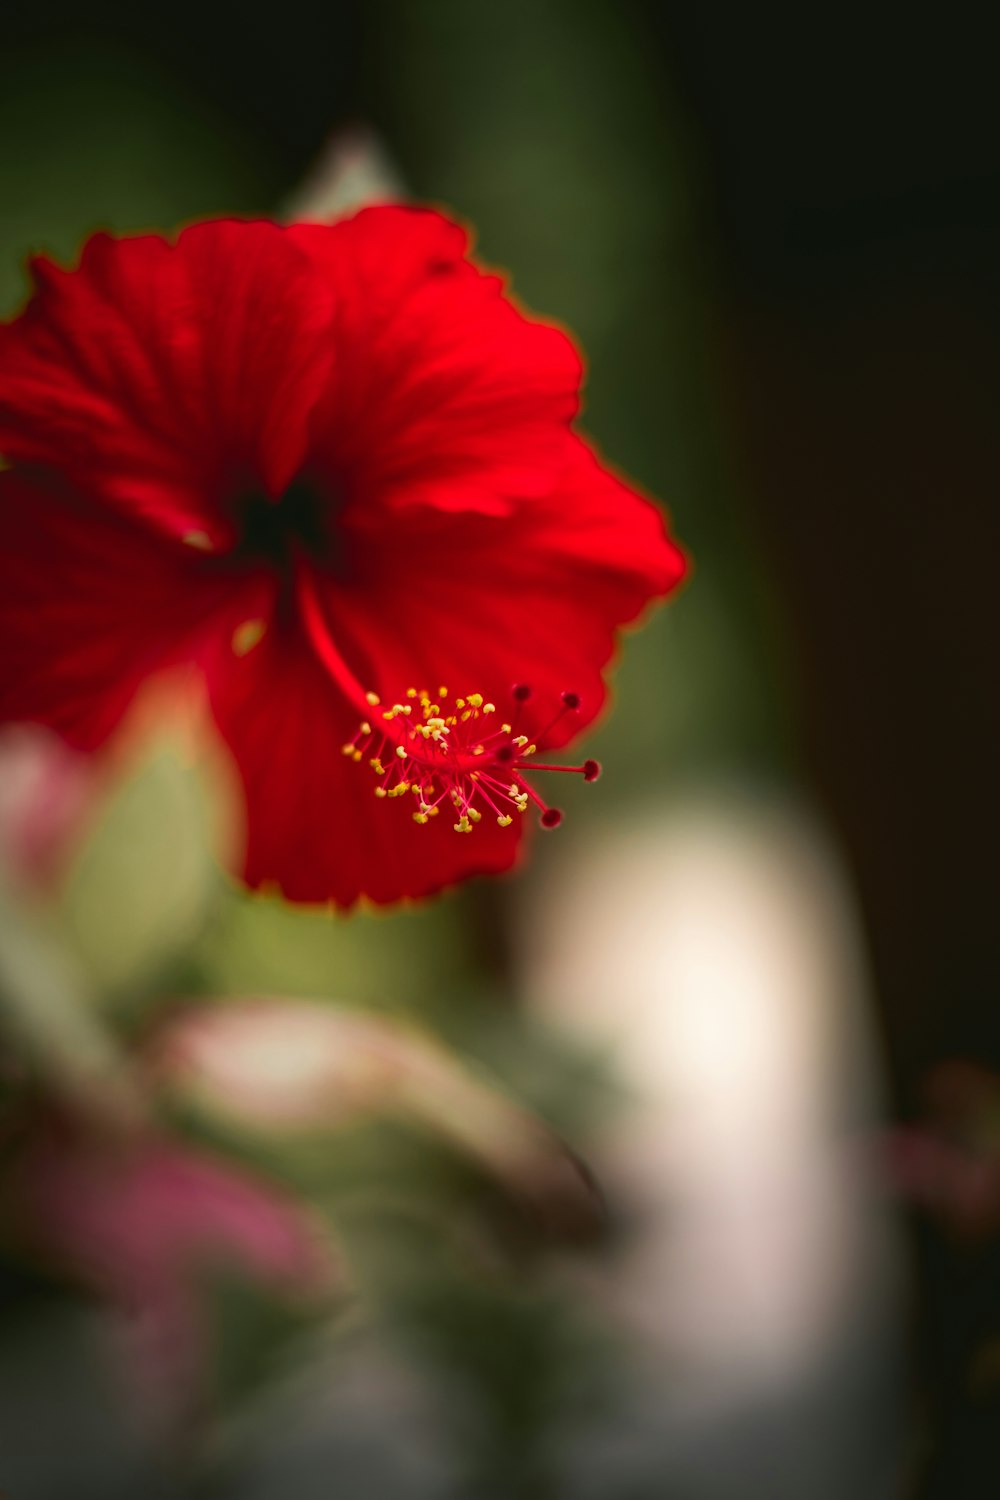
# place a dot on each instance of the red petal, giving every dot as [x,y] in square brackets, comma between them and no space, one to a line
[479,603]
[443,391]
[607,528]
[156,370]
[91,604]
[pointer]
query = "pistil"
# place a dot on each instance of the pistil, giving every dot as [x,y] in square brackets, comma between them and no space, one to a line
[443,751]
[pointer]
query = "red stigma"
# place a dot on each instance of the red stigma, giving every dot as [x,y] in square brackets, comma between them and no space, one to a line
[449,754]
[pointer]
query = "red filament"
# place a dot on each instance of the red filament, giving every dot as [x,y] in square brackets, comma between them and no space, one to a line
[457,754]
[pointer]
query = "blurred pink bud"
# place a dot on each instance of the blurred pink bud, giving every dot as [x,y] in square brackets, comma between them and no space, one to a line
[958,1187]
[138,1221]
[44,791]
[949,1163]
[284,1064]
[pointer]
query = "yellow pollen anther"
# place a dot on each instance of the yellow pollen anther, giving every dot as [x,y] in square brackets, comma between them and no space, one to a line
[200,540]
[347,749]
[372,700]
[438,755]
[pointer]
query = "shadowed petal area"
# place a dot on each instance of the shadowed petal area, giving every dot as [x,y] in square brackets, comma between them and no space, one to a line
[157,371]
[443,392]
[91,604]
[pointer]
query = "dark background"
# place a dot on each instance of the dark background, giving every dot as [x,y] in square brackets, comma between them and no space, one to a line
[799,214]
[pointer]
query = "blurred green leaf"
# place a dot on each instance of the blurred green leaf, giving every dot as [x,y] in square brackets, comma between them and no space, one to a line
[142,887]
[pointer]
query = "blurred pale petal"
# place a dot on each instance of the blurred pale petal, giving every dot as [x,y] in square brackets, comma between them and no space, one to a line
[44,792]
[352,170]
[275,1065]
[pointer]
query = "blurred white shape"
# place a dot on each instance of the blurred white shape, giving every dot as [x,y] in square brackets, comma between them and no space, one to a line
[715,951]
[353,170]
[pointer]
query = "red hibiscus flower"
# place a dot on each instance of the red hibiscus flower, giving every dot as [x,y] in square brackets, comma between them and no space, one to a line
[325,464]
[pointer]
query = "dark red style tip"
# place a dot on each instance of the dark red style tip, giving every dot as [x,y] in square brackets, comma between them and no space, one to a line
[551,817]
[591,770]
[571,700]
[520,692]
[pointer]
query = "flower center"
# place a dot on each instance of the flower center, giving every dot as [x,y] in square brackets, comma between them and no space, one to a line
[303,519]
[445,752]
